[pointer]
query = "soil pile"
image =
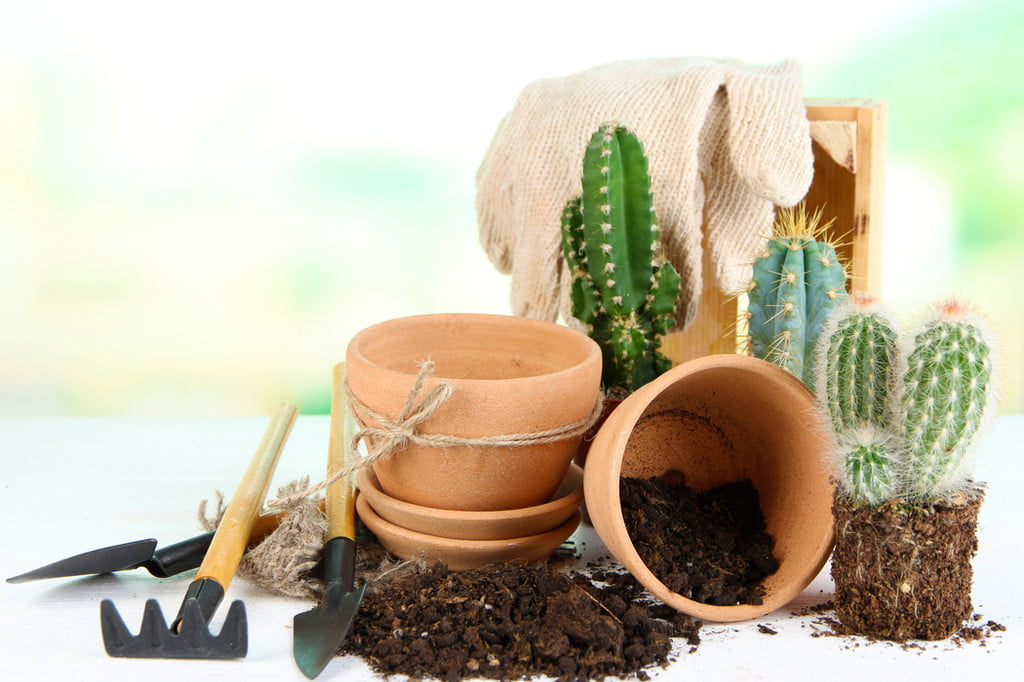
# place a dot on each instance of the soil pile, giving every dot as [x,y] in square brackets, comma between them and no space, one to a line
[710,546]
[510,621]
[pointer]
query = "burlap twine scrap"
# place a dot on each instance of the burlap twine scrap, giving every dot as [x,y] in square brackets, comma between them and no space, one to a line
[284,561]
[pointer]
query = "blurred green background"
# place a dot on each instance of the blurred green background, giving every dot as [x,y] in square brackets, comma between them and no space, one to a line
[201,202]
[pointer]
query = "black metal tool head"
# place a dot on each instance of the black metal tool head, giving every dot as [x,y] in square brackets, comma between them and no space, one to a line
[319,633]
[107,560]
[162,563]
[188,636]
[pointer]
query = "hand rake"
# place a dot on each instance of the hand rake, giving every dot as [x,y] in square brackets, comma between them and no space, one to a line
[189,634]
[318,633]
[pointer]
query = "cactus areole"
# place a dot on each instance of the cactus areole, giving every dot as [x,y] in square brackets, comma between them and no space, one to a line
[623,288]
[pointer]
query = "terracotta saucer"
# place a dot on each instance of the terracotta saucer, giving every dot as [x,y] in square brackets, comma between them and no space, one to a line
[476,525]
[462,554]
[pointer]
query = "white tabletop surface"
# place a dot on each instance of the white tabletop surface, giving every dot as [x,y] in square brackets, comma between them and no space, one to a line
[74,484]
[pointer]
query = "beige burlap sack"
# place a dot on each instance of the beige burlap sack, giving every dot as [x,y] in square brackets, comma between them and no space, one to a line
[725,142]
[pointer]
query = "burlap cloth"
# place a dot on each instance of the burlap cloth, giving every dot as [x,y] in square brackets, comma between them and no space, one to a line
[725,142]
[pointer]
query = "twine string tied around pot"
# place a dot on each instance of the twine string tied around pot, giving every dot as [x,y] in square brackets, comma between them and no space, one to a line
[390,435]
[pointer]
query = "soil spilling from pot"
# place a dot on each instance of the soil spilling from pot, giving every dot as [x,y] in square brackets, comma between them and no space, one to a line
[904,571]
[509,621]
[710,546]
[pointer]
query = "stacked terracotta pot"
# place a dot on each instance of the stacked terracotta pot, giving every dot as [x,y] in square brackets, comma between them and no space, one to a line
[459,491]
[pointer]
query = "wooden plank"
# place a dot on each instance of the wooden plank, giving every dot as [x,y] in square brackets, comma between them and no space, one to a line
[854,199]
[849,161]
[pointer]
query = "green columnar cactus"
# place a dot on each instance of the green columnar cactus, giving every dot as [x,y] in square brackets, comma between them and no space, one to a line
[946,393]
[903,420]
[622,288]
[859,354]
[796,282]
[854,374]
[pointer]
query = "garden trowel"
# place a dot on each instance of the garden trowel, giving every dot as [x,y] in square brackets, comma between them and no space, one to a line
[162,563]
[318,633]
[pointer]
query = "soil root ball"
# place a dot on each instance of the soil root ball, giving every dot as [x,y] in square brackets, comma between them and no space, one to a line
[904,571]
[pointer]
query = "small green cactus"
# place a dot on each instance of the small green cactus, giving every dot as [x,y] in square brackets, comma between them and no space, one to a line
[946,393]
[854,374]
[857,361]
[868,464]
[796,283]
[623,288]
[903,421]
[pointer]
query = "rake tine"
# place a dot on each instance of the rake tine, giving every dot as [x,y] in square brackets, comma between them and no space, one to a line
[233,635]
[115,633]
[193,630]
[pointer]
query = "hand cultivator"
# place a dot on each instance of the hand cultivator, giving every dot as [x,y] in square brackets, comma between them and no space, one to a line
[189,635]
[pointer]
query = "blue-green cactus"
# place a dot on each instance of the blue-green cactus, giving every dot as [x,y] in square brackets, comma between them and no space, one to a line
[796,283]
[623,288]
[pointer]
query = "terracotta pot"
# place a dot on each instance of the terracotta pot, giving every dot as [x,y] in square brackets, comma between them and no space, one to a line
[904,571]
[510,375]
[719,419]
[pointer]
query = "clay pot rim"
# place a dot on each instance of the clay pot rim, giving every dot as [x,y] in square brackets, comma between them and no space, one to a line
[649,393]
[369,486]
[586,344]
[696,366]
[380,525]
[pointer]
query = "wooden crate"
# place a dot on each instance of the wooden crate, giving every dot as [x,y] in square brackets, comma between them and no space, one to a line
[849,168]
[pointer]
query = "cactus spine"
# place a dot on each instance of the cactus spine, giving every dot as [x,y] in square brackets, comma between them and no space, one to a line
[903,421]
[796,283]
[946,393]
[623,288]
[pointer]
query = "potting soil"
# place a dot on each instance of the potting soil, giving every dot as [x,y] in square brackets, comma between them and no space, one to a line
[712,547]
[509,621]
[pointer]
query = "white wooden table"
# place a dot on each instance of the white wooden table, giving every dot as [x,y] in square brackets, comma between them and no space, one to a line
[72,484]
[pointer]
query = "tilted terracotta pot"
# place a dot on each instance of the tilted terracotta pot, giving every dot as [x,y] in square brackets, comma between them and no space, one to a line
[510,375]
[719,419]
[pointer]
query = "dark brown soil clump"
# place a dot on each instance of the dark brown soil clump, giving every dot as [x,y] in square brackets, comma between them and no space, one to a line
[510,621]
[712,547]
[904,571]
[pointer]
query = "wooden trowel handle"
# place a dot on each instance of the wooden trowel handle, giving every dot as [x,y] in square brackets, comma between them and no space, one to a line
[232,536]
[341,510]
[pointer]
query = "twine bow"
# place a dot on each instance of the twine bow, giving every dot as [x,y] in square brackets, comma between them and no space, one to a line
[394,434]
